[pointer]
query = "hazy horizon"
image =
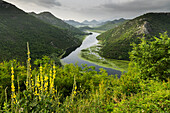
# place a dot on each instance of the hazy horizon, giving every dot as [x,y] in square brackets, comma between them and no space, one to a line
[100,10]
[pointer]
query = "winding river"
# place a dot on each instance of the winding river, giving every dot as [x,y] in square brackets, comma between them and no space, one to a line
[87,42]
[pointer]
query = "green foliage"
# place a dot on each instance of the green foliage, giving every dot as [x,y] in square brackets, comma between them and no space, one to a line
[152,58]
[116,42]
[85,90]
[5,77]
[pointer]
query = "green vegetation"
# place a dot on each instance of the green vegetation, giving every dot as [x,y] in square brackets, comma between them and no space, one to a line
[91,54]
[18,27]
[49,18]
[116,42]
[110,25]
[49,88]
[152,59]
[85,28]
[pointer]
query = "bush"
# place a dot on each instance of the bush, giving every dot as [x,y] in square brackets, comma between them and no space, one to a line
[152,58]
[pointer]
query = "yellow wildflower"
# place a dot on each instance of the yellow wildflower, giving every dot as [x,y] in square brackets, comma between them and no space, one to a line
[74,92]
[46,83]
[75,87]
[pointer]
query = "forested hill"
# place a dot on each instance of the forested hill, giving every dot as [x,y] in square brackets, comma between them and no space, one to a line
[111,24]
[116,42]
[51,19]
[17,28]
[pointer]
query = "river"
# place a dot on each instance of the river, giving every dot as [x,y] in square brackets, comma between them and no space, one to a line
[87,42]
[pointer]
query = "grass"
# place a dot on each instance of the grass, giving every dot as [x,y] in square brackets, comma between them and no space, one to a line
[91,54]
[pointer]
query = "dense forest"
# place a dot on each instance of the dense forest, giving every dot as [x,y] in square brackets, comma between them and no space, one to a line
[18,27]
[50,88]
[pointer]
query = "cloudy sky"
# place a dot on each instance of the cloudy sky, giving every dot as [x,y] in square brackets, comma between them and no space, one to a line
[93,9]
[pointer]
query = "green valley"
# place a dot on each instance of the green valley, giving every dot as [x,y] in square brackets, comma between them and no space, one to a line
[104,26]
[83,63]
[50,88]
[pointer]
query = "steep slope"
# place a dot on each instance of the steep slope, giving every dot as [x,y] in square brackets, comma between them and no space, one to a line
[85,28]
[18,27]
[116,42]
[111,24]
[51,19]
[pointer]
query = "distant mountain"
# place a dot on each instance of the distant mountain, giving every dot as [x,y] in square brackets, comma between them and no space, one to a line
[17,28]
[110,24]
[51,19]
[85,22]
[116,42]
[93,22]
[73,23]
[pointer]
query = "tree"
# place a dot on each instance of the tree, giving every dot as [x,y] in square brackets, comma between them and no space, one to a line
[152,58]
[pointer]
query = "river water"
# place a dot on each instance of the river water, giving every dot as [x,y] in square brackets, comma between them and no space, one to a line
[88,42]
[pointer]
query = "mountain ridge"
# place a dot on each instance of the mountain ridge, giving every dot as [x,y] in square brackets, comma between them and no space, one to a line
[53,20]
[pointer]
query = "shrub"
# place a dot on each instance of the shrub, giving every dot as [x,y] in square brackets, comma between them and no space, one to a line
[152,58]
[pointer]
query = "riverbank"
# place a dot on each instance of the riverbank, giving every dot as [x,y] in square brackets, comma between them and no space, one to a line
[91,55]
[97,31]
[71,49]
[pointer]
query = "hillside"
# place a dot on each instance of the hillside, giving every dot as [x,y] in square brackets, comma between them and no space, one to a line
[111,24]
[17,28]
[116,42]
[51,19]
[74,23]
[85,28]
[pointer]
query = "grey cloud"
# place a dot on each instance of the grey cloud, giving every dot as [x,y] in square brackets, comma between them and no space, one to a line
[44,3]
[138,6]
[49,3]
[126,9]
[95,9]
